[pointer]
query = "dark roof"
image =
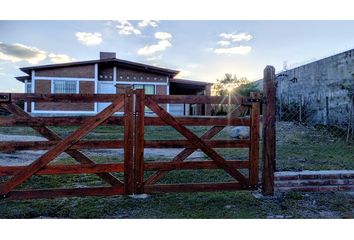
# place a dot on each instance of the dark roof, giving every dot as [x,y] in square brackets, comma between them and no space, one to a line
[23,78]
[185,81]
[134,65]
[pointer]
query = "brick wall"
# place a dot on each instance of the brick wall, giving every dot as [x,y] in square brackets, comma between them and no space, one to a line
[44,87]
[86,71]
[138,76]
[312,181]
[105,74]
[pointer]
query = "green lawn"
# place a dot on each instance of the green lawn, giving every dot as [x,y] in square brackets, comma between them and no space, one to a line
[187,205]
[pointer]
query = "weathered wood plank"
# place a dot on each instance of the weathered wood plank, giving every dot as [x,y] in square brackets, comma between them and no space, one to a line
[188,144]
[194,99]
[268,151]
[170,120]
[254,141]
[54,121]
[63,192]
[191,99]
[67,169]
[52,136]
[37,97]
[201,121]
[128,143]
[119,121]
[193,187]
[168,166]
[139,141]
[44,145]
[65,144]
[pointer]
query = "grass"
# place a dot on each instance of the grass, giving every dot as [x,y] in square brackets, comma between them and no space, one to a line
[225,205]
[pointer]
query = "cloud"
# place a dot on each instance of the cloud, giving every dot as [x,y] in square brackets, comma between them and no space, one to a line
[126,28]
[18,52]
[239,50]
[89,39]
[163,35]
[183,74]
[146,23]
[162,44]
[60,58]
[154,58]
[236,37]
[223,43]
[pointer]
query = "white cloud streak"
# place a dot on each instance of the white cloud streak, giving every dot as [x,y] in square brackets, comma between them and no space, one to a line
[239,50]
[163,43]
[236,37]
[223,43]
[60,58]
[126,28]
[147,23]
[89,39]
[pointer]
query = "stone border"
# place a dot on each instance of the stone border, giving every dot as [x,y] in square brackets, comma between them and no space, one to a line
[315,181]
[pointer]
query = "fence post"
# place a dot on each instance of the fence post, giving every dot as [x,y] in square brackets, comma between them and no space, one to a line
[268,151]
[128,142]
[254,138]
[139,141]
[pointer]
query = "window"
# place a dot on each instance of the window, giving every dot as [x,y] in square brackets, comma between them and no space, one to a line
[148,88]
[64,86]
[28,87]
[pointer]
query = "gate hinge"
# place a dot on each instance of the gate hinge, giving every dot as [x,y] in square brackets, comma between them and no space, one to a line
[5,97]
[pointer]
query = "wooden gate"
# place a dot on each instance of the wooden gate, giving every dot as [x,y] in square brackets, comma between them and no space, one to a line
[134,167]
[193,142]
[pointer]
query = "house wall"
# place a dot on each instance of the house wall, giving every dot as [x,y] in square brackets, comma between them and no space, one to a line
[87,71]
[45,86]
[88,78]
[138,76]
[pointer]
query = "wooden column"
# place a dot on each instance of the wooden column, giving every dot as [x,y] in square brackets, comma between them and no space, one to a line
[139,141]
[128,143]
[268,151]
[254,138]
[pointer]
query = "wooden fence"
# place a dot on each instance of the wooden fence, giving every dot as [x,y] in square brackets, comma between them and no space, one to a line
[134,166]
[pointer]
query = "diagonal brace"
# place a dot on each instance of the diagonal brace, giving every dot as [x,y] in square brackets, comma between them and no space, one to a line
[219,161]
[62,146]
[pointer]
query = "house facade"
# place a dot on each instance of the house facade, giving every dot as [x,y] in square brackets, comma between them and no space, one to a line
[107,75]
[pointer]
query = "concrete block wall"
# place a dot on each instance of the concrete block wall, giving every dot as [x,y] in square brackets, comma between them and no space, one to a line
[326,87]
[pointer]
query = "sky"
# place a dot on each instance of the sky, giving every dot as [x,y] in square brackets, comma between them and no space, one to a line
[201,50]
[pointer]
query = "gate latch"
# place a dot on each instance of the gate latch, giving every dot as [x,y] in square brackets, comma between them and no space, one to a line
[5,97]
[250,100]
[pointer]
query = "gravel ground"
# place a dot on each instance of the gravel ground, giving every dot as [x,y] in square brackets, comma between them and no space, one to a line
[20,158]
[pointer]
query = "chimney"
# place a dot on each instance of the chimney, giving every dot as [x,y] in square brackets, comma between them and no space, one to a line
[107,55]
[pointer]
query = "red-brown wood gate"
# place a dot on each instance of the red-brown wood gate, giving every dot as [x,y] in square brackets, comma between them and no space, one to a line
[193,142]
[244,173]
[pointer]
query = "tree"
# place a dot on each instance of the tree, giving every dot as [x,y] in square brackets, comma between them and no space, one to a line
[231,85]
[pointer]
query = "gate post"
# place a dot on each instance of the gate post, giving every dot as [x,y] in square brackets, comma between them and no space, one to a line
[254,138]
[139,141]
[268,151]
[128,142]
